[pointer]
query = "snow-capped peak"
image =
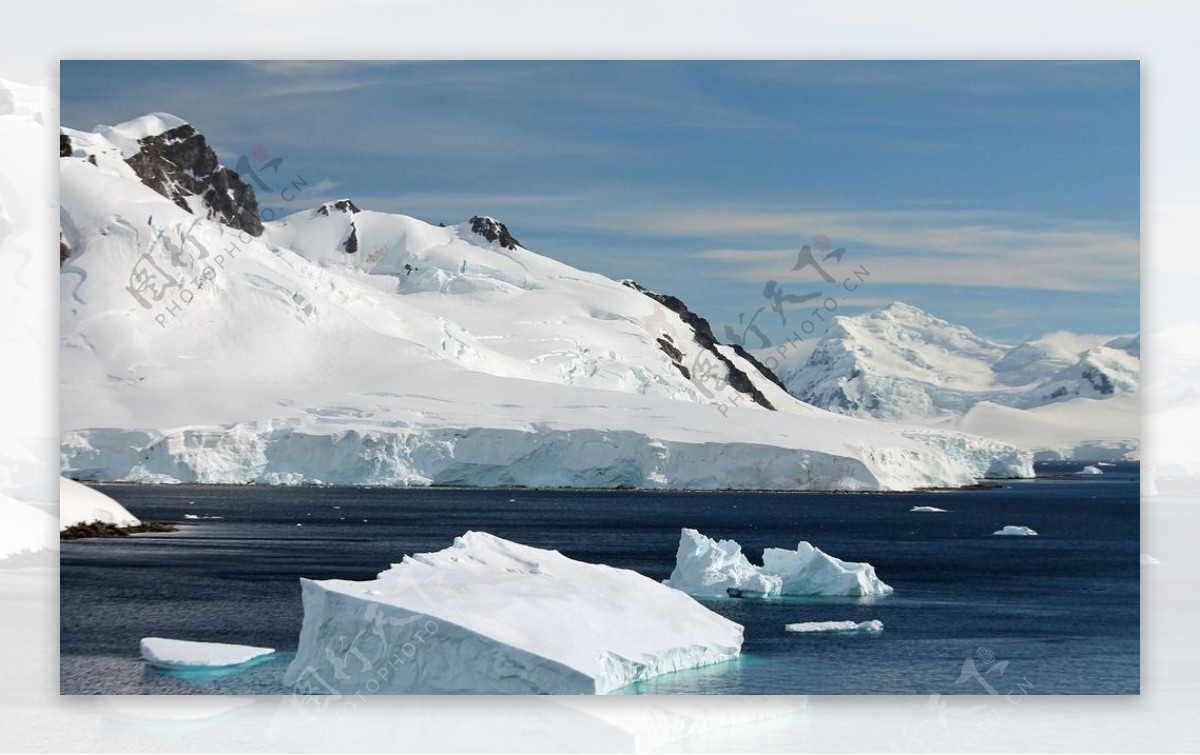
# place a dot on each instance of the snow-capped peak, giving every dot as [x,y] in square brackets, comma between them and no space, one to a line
[173,159]
[493,230]
[902,363]
[129,135]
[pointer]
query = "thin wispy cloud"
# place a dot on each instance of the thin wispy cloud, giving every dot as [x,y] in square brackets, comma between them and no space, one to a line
[965,248]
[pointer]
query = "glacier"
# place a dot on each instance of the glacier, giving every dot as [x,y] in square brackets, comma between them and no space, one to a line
[340,345]
[717,568]
[490,616]
[190,654]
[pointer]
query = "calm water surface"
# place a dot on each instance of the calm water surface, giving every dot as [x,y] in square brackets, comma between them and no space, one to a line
[1061,608]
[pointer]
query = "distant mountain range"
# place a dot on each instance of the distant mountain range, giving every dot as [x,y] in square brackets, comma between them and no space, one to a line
[1064,395]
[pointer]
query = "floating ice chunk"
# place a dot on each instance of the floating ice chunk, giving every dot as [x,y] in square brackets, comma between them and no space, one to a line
[710,568]
[927,509]
[490,616]
[1013,529]
[810,571]
[190,516]
[1089,469]
[874,625]
[186,654]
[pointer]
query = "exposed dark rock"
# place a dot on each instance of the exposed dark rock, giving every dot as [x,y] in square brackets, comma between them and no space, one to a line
[1099,381]
[493,230]
[103,529]
[64,251]
[766,371]
[669,349]
[341,205]
[351,242]
[64,145]
[179,164]
[703,335]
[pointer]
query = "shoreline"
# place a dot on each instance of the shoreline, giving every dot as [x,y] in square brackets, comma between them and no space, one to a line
[985,484]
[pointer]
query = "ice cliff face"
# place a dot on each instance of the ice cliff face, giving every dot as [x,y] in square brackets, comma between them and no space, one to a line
[352,346]
[902,364]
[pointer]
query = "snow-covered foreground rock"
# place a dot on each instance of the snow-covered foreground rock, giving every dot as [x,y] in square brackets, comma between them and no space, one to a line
[1063,395]
[490,616]
[79,504]
[342,345]
[189,654]
[804,627]
[1015,529]
[717,568]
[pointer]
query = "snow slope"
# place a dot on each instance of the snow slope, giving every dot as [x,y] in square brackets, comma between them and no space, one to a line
[490,616]
[1063,395]
[354,347]
[77,503]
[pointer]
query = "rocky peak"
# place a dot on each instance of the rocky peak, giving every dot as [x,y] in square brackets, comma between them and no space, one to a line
[172,158]
[493,230]
[340,205]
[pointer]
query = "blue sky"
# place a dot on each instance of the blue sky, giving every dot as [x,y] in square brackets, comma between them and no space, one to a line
[1000,195]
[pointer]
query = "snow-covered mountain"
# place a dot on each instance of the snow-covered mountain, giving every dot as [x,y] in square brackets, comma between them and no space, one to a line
[342,345]
[1064,395]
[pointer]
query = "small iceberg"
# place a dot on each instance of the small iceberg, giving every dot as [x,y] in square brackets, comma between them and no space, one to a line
[1013,529]
[927,510]
[187,654]
[1089,469]
[874,625]
[717,568]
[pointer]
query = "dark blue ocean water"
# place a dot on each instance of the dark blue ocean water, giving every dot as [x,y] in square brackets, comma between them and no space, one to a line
[1052,614]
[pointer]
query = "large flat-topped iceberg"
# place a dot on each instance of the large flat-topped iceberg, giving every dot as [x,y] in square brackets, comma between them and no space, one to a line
[710,568]
[490,616]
